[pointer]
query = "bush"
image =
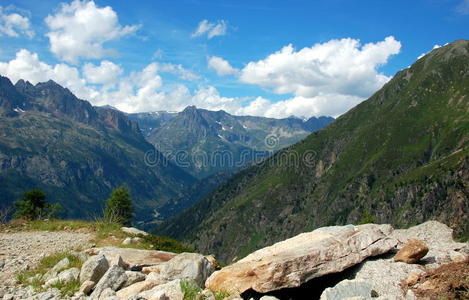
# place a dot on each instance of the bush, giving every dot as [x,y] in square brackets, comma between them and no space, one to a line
[119,207]
[33,206]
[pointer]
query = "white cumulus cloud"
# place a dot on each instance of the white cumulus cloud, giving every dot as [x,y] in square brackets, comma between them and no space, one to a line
[211,29]
[221,66]
[14,24]
[335,67]
[106,73]
[79,30]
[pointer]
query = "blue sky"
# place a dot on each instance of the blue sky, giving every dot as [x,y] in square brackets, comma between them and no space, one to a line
[269,58]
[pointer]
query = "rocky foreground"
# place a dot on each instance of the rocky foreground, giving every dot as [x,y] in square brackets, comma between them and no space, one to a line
[340,262]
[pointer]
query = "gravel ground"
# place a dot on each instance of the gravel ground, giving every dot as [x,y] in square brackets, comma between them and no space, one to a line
[22,250]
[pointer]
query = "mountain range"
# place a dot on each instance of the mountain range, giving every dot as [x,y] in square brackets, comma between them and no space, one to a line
[205,142]
[77,153]
[400,157]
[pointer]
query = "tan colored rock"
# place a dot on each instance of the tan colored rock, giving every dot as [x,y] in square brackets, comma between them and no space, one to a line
[136,258]
[170,290]
[412,252]
[428,285]
[152,280]
[150,269]
[216,265]
[297,260]
[412,278]
[86,287]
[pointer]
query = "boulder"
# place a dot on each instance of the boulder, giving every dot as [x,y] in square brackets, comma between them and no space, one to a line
[127,241]
[386,276]
[348,289]
[152,280]
[86,287]
[65,276]
[136,258]
[171,290]
[133,277]
[268,298]
[52,273]
[107,294]
[187,266]
[114,278]
[292,262]
[94,268]
[412,251]
[134,231]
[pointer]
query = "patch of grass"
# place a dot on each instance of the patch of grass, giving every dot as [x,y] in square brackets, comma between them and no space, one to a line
[33,277]
[67,288]
[221,295]
[192,291]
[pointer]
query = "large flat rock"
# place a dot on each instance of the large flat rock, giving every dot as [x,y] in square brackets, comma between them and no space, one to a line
[297,260]
[136,258]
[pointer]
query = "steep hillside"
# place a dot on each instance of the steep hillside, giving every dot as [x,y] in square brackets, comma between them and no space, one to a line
[77,153]
[400,157]
[206,142]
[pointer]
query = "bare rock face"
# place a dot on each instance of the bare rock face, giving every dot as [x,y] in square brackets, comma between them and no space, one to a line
[297,260]
[412,252]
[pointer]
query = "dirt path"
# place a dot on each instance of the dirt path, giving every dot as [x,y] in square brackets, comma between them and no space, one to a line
[22,250]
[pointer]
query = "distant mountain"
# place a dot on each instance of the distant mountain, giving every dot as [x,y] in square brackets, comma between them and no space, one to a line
[150,120]
[401,157]
[206,142]
[78,153]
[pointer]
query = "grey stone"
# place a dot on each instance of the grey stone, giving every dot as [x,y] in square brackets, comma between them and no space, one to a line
[61,265]
[133,231]
[187,266]
[114,279]
[347,289]
[127,241]
[65,276]
[133,277]
[94,268]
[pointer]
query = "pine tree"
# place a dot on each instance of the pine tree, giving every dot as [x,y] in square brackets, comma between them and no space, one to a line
[33,206]
[119,207]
